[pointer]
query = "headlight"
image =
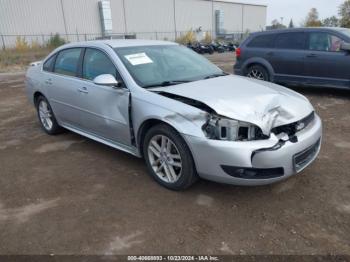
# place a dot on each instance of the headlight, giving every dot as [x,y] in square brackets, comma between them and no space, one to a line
[220,128]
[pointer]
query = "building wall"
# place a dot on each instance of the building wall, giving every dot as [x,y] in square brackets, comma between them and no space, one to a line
[29,17]
[149,19]
[118,18]
[254,18]
[193,14]
[232,15]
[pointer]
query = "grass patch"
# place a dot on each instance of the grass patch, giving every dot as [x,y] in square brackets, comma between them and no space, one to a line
[13,60]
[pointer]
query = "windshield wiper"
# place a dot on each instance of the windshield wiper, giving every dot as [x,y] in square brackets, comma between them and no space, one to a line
[216,75]
[168,83]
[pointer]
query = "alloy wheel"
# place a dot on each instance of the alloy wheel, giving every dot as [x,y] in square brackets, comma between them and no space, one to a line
[257,74]
[165,158]
[45,115]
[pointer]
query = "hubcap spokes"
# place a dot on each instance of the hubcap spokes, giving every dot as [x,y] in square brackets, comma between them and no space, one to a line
[165,158]
[45,115]
[256,74]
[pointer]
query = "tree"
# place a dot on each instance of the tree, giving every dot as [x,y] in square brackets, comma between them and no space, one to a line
[344,13]
[291,24]
[332,21]
[276,25]
[312,19]
[207,38]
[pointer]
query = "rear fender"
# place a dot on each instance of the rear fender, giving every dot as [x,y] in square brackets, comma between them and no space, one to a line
[259,61]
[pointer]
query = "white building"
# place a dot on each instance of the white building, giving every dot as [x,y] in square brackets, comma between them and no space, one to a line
[150,19]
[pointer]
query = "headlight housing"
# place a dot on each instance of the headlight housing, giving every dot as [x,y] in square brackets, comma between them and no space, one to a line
[221,128]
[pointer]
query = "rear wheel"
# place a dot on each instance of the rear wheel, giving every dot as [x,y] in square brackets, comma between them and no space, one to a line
[46,117]
[258,72]
[168,159]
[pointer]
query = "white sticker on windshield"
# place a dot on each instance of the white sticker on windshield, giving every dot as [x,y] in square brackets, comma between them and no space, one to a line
[139,59]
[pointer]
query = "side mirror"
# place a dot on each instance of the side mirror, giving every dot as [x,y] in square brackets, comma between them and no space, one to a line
[106,80]
[345,46]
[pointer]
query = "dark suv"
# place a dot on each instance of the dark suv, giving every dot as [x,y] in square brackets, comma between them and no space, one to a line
[306,56]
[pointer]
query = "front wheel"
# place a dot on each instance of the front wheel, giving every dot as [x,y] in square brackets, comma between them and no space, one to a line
[168,158]
[258,72]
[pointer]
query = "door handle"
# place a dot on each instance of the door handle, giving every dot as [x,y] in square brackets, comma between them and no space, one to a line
[311,55]
[83,90]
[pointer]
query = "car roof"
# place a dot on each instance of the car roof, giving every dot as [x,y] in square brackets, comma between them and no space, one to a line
[300,29]
[120,43]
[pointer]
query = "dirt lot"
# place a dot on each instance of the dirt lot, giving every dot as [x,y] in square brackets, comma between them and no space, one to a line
[69,195]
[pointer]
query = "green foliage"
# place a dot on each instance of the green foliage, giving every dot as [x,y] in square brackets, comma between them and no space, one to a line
[277,25]
[21,44]
[332,21]
[312,19]
[344,13]
[207,38]
[188,38]
[55,41]
[291,24]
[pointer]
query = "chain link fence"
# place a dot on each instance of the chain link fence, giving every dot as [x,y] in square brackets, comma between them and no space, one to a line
[41,40]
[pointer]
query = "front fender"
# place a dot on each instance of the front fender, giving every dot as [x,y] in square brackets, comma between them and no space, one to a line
[186,119]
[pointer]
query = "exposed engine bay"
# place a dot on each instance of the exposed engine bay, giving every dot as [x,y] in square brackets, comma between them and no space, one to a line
[222,128]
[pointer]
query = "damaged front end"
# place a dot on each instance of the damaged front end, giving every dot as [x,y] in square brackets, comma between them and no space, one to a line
[221,128]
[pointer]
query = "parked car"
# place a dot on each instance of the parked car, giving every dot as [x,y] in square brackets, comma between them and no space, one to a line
[201,48]
[231,47]
[182,114]
[218,47]
[306,56]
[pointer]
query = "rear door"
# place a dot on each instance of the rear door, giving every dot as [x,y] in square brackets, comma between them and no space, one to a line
[62,87]
[287,58]
[325,63]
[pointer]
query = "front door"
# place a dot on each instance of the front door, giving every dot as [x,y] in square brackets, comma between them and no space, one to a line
[104,109]
[325,63]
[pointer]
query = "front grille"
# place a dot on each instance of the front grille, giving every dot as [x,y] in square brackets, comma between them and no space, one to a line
[293,128]
[304,158]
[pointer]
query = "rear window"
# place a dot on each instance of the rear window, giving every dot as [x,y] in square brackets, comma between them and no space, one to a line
[48,65]
[290,41]
[262,41]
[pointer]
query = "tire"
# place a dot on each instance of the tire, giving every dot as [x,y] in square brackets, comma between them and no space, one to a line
[258,72]
[171,176]
[46,117]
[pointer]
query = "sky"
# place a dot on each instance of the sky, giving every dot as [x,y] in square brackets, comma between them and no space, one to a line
[296,9]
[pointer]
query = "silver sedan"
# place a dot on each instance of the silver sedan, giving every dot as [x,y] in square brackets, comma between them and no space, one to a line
[182,114]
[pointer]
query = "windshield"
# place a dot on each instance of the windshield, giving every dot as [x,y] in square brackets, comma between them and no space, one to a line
[345,32]
[165,65]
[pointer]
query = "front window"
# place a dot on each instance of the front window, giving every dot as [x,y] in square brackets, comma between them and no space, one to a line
[324,42]
[159,65]
[97,63]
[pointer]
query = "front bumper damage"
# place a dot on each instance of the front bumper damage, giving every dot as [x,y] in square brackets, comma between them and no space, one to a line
[260,162]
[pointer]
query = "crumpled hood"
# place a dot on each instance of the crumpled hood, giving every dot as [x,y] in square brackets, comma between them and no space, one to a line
[261,103]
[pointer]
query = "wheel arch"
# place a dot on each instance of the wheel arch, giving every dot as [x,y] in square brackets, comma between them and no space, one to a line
[261,62]
[145,126]
[36,96]
[149,123]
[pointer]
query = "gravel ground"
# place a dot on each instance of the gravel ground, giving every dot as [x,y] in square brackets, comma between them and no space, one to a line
[69,195]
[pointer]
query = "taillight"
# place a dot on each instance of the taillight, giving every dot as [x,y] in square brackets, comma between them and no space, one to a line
[238,52]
